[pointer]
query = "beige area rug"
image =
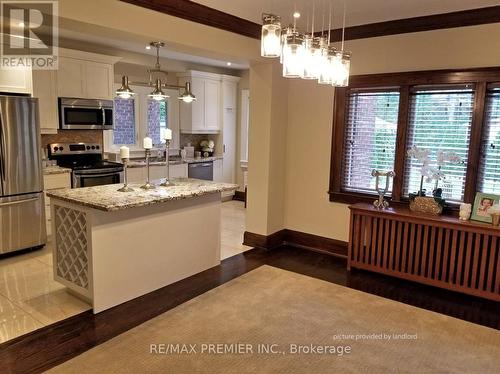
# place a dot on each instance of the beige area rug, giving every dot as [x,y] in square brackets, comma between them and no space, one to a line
[273,306]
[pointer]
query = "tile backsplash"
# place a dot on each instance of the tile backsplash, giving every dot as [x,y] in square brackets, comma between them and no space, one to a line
[73,136]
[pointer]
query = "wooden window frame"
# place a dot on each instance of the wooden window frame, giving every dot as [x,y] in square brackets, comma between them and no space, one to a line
[480,78]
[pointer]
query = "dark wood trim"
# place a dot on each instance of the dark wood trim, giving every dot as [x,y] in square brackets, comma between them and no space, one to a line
[240,196]
[316,243]
[297,239]
[463,18]
[422,77]
[404,81]
[264,241]
[199,13]
[476,133]
[191,11]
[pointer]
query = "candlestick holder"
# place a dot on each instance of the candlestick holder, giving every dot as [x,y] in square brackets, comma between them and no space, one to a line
[125,187]
[167,182]
[381,203]
[148,185]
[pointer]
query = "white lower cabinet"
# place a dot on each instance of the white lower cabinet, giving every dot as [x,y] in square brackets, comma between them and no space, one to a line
[53,182]
[218,171]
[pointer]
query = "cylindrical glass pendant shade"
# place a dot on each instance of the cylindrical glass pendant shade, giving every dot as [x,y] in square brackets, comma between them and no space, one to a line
[342,67]
[271,36]
[324,71]
[312,52]
[293,56]
[284,35]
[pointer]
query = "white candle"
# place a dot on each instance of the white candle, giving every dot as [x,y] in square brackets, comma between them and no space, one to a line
[147,143]
[168,134]
[124,152]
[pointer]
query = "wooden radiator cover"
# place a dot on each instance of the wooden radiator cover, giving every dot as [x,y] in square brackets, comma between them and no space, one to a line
[435,250]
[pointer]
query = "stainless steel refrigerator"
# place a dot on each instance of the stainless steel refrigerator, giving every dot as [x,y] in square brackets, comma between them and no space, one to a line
[22,210]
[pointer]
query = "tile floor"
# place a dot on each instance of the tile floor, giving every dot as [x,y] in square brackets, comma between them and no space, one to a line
[30,298]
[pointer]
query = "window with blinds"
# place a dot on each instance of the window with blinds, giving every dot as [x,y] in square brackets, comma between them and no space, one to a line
[440,119]
[489,165]
[370,138]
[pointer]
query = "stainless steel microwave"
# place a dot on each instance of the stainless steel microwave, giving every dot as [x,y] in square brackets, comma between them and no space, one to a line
[85,114]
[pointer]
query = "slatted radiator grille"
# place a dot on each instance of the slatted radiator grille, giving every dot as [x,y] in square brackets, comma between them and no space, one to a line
[450,256]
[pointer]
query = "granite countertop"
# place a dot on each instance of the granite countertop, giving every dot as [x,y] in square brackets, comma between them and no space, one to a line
[55,170]
[142,163]
[108,198]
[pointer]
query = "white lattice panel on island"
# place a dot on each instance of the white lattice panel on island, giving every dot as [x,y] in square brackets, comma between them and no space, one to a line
[71,246]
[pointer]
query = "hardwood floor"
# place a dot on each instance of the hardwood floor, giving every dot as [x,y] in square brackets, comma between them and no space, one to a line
[51,345]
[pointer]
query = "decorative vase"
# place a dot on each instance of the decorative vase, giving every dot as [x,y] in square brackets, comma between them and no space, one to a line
[426,204]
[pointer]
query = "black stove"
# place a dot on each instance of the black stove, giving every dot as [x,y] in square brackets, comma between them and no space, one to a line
[85,159]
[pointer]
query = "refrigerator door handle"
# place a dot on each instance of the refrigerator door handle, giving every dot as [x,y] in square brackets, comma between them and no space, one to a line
[19,201]
[2,155]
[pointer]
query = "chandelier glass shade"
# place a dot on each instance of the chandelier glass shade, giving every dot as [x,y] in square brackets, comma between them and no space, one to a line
[158,94]
[187,96]
[293,56]
[305,56]
[271,36]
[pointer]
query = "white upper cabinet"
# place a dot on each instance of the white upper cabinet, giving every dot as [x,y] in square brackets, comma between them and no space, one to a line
[85,75]
[71,74]
[45,89]
[204,115]
[16,81]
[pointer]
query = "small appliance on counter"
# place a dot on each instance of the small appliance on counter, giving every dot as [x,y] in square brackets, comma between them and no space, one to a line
[189,151]
[87,165]
[22,213]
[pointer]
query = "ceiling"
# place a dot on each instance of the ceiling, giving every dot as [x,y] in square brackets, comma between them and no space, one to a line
[359,12]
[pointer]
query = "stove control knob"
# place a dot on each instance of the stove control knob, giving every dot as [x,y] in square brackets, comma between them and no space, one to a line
[56,149]
[93,147]
[88,147]
[96,147]
[61,148]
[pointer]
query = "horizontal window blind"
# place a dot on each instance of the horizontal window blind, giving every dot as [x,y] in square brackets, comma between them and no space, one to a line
[440,119]
[370,138]
[489,165]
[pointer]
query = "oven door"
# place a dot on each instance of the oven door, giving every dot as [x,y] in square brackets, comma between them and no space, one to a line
[83,114]
[89,178]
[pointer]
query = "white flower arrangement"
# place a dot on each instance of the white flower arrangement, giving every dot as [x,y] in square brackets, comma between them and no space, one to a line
[428,172]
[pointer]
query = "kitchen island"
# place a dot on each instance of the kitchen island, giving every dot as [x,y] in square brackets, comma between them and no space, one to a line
[111,246]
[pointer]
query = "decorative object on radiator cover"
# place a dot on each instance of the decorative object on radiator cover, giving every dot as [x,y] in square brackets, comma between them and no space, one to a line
[434,204]
[486,208]
[465,211]
[381,203]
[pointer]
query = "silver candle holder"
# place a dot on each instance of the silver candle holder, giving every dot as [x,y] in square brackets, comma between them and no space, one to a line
[167,182]
[125,187]
[381,203]
[148,185]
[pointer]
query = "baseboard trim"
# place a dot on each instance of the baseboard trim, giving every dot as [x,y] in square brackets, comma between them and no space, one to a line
[297,239]
[239,195]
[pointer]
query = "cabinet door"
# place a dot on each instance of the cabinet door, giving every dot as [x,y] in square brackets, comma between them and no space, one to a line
[218,172]
[212,104]
[136,175]
[71,78]
[198,106]
[16,81]
[99,80]
[45,89]
[178,171]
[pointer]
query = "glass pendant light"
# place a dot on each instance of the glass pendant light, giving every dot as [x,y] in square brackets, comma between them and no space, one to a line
[284,35]
[324,73]
[158,94]
[342,69]
[270,43]
[293,56]
[125,92]
[187,96]
[311,50]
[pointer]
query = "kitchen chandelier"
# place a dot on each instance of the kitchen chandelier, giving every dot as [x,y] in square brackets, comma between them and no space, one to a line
[306,55]
[125,92]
